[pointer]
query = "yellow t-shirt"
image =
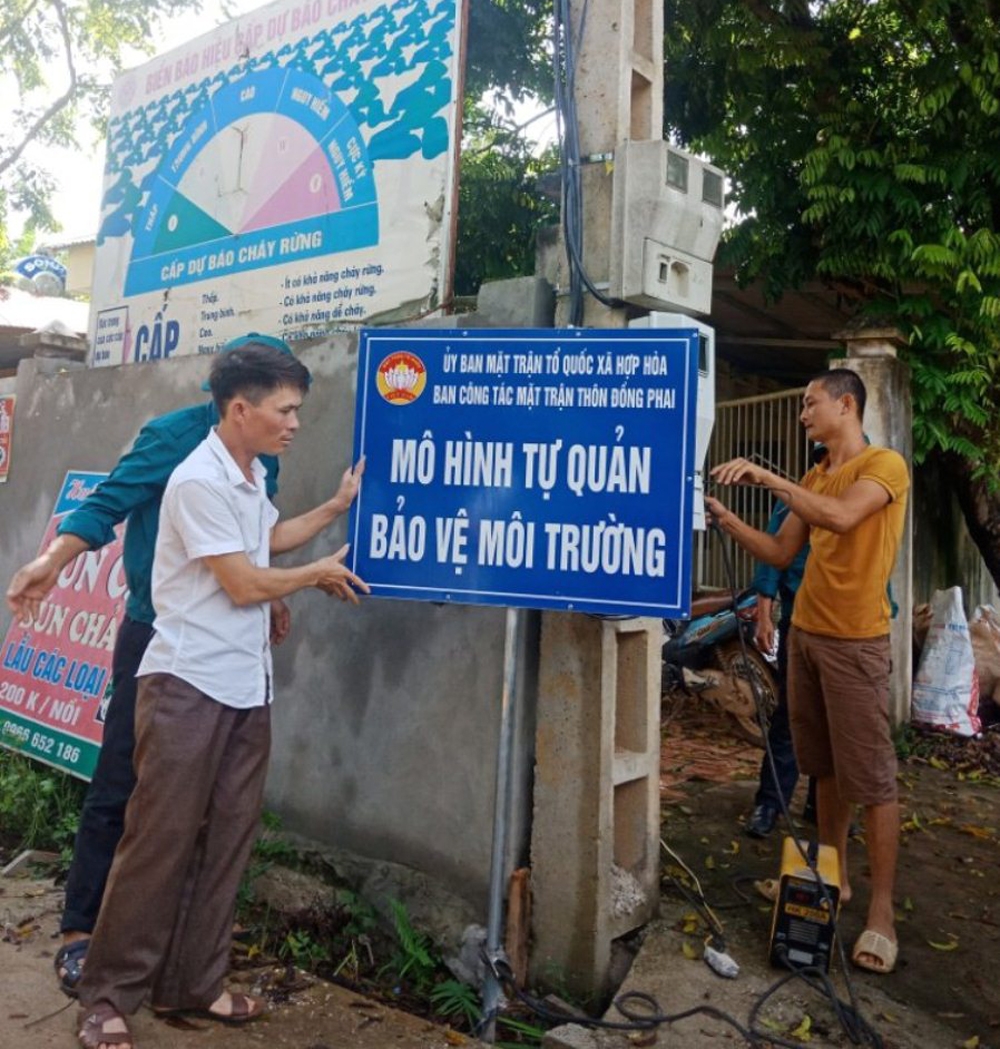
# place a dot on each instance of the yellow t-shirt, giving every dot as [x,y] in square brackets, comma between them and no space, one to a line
[843,591]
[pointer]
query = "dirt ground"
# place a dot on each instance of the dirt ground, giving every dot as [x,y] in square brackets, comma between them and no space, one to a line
[945,991]
[308,1014]
[303,1013]
[943,995]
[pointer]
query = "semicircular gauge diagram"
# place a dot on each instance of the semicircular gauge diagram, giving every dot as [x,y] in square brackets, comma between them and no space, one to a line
[273,169]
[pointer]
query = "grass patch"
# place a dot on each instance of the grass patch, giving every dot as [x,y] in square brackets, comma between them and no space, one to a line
[39,806]
[384,957]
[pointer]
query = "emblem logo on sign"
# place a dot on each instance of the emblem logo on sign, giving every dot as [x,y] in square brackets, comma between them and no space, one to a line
[401,378]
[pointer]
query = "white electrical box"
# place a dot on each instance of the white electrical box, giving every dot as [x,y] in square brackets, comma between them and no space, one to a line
[667,213]
[705,420]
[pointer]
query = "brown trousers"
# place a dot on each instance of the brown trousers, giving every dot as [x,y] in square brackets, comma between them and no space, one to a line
[165,924]
[838,709]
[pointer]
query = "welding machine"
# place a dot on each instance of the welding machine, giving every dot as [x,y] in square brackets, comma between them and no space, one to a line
[804,921]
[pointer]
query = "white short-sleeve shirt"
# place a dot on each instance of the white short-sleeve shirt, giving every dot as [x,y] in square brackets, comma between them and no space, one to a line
[200,635]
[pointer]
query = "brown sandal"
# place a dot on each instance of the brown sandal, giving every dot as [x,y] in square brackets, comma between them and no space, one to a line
[245,1009]
[93,1022]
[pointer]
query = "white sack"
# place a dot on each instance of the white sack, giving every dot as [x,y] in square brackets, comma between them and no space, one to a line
[946,686]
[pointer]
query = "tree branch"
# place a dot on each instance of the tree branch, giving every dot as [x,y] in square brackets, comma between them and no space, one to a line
[503,132]
[6,34]
[59,104]
[797,16]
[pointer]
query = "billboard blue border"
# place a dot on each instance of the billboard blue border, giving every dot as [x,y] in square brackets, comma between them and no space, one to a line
[457,427]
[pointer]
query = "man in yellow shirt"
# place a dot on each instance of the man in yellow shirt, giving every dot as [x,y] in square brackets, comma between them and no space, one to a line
[851,509]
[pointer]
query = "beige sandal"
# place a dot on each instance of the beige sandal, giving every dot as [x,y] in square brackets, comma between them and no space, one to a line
[879,947]
[768,888]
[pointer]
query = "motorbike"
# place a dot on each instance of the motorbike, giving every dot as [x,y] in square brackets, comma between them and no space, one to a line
[703,656]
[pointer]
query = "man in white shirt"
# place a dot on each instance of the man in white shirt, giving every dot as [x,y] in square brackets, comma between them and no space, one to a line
[203,710]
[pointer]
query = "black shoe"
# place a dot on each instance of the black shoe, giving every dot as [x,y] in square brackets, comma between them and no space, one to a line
[762,821]
[809,816]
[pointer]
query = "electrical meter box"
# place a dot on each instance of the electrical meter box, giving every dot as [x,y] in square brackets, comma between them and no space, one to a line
[667,213]
[705,412]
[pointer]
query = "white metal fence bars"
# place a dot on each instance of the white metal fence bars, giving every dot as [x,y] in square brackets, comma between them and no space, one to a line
[766,430]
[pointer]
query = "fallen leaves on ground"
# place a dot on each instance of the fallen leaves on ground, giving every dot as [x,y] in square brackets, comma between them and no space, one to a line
[802,1032]
[969,759]
[701,746]
[982,833]
[951,944]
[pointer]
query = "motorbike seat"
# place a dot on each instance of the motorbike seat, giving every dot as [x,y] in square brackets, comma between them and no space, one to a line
[709,603]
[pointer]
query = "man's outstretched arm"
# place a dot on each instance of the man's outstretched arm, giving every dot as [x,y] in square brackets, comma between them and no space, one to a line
[31,583]
[249,584]
[778,549]
[836,513]
[293,533]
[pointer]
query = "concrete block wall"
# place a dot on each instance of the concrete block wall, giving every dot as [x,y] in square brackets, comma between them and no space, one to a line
[386,716]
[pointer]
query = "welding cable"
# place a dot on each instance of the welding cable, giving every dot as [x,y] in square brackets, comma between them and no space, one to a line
[701,903]
[646,1018]
[642,1011]
[849,1014]
[858,1030]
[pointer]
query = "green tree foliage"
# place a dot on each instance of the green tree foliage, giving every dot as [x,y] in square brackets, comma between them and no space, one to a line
[57,59]
[501,203]
[863,143]
[508,55]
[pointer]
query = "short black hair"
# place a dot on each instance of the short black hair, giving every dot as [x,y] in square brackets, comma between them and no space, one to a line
[254,371]
[840,381]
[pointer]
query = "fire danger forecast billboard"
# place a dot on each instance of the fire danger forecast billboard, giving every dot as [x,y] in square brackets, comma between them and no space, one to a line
[291,172]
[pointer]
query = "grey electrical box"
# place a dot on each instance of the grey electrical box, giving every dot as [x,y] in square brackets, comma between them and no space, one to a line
[667,214]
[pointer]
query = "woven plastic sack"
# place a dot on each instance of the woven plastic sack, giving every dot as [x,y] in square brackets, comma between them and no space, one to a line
[984,632]
[946,686]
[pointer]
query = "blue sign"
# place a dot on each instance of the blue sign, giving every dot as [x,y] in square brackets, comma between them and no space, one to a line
[46,275]
[31,265]
[533,468]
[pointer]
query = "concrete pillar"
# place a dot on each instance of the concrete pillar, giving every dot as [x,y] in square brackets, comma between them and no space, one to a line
[871,352]
[619,96]
[595,831]
[515,303]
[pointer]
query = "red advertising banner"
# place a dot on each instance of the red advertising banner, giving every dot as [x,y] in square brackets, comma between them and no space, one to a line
[6,433]
[55,674]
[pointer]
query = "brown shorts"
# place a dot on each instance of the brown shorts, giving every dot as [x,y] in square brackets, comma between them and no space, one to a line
[838,708]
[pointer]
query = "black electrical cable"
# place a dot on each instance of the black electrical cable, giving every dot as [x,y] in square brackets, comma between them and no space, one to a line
[649,1015]
[702,906]
[635,1021]
[568,130]
[849,1015]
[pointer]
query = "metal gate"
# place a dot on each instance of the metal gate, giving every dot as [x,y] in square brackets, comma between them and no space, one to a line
[766,430]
